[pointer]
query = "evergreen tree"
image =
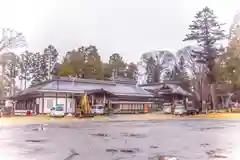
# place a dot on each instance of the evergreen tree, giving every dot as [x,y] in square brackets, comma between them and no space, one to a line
[39,68]
[117,64]
[132,71]
[206,31]
[11,72]
[50,58]
[84,62]
[25,67]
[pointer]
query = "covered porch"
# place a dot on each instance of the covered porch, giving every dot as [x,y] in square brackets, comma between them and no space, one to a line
[117,103]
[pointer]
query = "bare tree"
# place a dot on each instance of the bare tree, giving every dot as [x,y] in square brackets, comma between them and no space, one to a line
[9,40]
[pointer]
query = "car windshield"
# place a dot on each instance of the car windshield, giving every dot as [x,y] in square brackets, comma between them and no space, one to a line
[59,109]
[97,107]
[179,107]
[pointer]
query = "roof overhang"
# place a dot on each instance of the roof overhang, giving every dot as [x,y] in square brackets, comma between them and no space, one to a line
[101,91]
[25,96]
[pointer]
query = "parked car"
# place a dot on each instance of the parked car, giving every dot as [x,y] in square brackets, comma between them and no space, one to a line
[192,111]
[180,109]
[98,109]
[57,112]
[167,108]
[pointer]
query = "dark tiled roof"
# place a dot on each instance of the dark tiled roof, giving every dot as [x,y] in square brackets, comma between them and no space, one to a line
[32,89]
[171,88]
[66,84]
[68,79]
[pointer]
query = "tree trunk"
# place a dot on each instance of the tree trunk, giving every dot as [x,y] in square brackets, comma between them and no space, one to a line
[173,104]
[21,84]
[213,96]
[25,80]
[13,87]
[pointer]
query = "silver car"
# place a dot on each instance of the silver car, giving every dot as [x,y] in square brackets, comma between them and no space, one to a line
[180,109]
[167,108]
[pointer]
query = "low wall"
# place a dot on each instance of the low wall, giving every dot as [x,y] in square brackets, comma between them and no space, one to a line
[6,111]
[23,112]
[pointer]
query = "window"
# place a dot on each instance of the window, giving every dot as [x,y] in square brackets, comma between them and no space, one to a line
[49,103]
[138,106]
[59,108]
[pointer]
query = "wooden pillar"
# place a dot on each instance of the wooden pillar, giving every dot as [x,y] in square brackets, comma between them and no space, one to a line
[186,101]
[104,98]
[42,103]
[173,103]
[66,103]
[145,108]
[92,99]
[25,105]
[109,108]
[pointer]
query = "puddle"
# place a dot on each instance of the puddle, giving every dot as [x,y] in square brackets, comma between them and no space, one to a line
[123,150]
[162,157]
[154,121]
[134,135]
[112,150]
[218,153]
[154,146]
[68,127]
[204,144]
[100,135]
[211,128]
[119,158]
[35,140]
[36,127]
[34,151]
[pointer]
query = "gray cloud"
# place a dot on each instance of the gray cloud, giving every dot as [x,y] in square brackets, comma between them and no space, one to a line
[130,27]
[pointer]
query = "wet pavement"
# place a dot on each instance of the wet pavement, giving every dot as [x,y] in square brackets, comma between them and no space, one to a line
[181,139]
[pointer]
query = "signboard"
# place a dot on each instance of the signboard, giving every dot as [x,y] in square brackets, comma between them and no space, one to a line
[59,105]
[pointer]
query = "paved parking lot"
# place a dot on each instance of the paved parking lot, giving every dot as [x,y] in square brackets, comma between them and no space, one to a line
[122,139]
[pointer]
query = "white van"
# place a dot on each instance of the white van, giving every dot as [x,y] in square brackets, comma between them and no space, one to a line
[57,112]
[167,108]
[179,108]
[98,109]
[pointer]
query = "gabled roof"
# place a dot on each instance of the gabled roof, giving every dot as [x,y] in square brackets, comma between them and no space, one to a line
[167,88]
[69,85]
[98,91]
[178,90]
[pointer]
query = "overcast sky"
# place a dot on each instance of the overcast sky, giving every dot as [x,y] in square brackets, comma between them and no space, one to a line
[129,27]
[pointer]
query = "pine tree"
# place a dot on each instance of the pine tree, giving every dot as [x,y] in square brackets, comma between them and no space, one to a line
[206,31]
[180,73]
[150,70]
[50,58]
[26,67]
[11,72]
[38,70]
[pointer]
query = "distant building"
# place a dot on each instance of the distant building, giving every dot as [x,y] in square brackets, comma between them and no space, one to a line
[121,93]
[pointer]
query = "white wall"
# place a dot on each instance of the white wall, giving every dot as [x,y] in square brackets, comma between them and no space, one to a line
[49,102]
